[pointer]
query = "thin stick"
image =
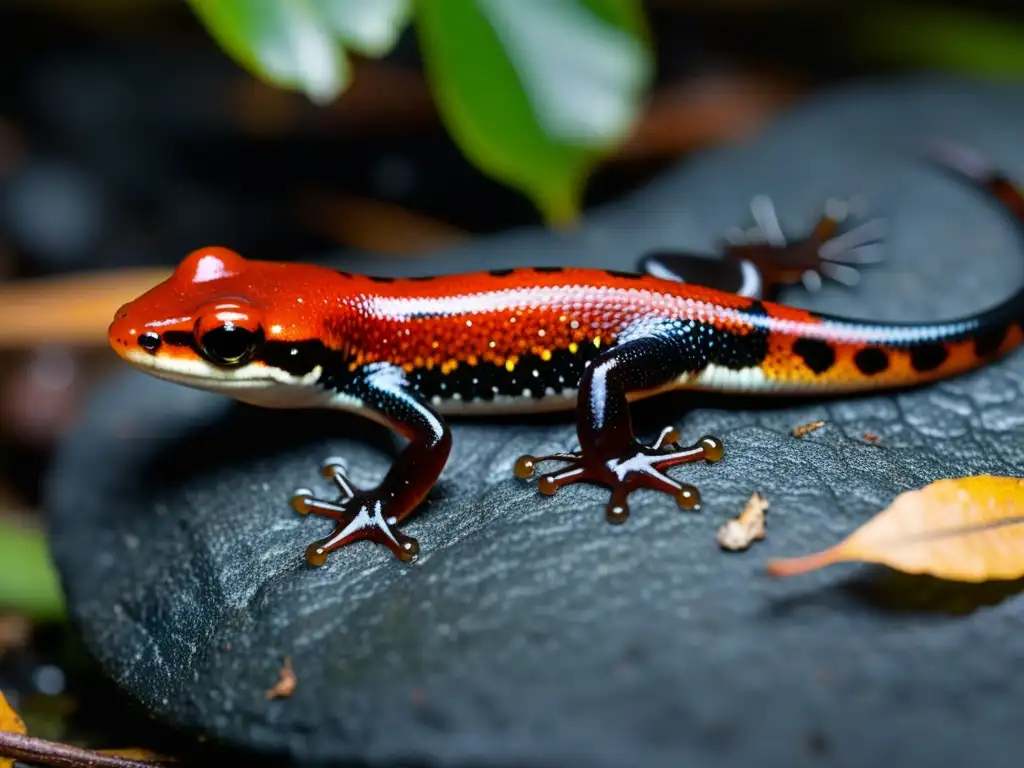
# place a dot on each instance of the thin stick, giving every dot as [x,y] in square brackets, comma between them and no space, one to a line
[52,753]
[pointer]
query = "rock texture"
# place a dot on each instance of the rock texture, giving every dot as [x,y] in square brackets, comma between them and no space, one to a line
[532,633]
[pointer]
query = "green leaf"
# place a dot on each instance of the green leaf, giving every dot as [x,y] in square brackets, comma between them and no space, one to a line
[370,27]
[28,582]
[297,44]
[284,42]
[959,39]
[537,92]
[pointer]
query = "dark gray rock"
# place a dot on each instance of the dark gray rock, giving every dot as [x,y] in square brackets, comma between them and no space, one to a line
[531,632]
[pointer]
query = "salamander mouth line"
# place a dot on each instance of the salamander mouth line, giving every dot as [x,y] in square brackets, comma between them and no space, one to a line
[251,376]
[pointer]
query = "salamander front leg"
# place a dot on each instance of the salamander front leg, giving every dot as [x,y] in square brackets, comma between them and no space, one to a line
[375,514]
[610,454]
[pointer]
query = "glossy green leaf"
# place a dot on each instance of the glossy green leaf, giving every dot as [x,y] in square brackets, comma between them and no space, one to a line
[284,42]
[28,582]
[370,27]
[299,44]
[536,92]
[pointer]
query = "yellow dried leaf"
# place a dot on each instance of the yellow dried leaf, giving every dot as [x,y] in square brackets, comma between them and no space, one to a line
[11,723]
[965,529]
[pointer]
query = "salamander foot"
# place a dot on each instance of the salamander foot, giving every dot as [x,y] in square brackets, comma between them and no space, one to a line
[824,253]
[359,515]
[640,466]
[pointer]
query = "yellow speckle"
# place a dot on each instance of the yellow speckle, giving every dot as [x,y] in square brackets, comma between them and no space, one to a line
[275,329]
[542,332]
[436,344]
[492,344]
[574,347]
[562,318]
[545,355]
[510,365]
[597,342]
[472,360]
[469,323]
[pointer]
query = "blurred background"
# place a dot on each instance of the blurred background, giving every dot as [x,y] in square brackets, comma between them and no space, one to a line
[133,131]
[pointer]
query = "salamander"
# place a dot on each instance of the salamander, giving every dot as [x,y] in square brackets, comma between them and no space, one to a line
[409,352]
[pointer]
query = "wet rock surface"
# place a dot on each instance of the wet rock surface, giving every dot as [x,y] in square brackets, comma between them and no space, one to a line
[531,632]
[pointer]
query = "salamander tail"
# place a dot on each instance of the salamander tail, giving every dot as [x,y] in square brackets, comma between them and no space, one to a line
[900,354]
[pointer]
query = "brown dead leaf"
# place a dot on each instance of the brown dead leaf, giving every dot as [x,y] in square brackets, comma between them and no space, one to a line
[376,226]
[10,723]
[873,438]
[806,429]
[286,682]
[965,529]
[740,532]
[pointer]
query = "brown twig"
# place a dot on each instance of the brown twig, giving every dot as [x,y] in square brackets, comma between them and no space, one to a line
[70,309]
[52,753]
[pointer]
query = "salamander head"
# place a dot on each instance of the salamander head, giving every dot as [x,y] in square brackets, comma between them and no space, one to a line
[224,324]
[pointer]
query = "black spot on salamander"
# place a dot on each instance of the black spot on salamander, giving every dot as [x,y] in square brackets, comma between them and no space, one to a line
[988,342]
[298,357]
[344,273]
[500,272]
[178,338]
[381,278]
[621,273]
[817,355]
[871,360]
[550,270]
[422,278]
[928,357]
[150,341]
[735,351]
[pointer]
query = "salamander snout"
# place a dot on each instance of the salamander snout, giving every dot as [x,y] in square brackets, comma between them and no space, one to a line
[120,334]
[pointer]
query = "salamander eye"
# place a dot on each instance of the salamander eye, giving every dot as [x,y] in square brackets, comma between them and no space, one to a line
[228,338]
[229,345]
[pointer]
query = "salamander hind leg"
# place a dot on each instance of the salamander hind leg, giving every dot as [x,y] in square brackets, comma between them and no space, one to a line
[757,262]
[374,514]
[831,250]
[610,454]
